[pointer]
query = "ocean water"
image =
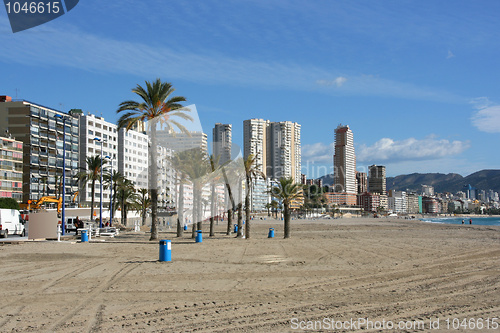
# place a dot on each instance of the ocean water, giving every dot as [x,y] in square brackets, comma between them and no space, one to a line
[458,220]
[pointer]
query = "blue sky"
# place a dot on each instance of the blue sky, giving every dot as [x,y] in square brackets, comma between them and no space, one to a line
[415,80]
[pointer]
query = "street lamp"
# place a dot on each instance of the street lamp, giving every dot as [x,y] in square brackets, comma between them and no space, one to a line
[63,212]
[100,202]
[110,192]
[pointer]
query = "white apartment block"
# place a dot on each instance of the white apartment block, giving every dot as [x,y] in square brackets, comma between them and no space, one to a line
[166,177]
[182,141]
[285,152]
[277,149]
[92,127]
[133,156]
[397,201]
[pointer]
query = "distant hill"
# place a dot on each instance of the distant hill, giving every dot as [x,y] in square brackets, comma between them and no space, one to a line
[452,182]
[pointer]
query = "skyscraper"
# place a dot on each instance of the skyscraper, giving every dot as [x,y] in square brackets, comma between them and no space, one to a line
[344,161]
[277,150]
[222,142]
[276,146]
[376,179]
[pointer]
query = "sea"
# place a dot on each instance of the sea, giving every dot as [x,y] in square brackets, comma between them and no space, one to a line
[458,220]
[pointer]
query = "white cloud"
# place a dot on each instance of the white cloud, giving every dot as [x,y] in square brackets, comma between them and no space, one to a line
[450,55]
[317,153]
[487,116]
[389,150]
[339,81]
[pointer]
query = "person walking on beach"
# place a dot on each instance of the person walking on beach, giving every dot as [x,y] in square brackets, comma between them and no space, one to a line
[462,221]
[470,221]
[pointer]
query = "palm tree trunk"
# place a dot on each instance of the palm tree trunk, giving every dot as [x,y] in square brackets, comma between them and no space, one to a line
[180,211]
[240,218]
[153,184]
[212,210]
[193,231]
[229,221]
[247,210]
[287,220]
[92,193]
[198,205]
[144,212]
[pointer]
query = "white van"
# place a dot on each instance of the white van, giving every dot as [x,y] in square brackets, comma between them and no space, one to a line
[11,223]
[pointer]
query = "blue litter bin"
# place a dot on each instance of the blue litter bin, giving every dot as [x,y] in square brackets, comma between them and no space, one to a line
[199,237]
[165,250]
[85,236]
[235,228]
[185,227]
[271,233]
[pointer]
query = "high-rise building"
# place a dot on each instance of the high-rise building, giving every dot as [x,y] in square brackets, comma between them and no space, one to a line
[182,141]
[222,142]
[92,127]
[133,156]
[344,161]
[397,201]
[44,132]
[362,182]
[284,151]
[376,179]
[277,150]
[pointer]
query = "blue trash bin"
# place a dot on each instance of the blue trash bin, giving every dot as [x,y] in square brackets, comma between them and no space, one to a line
[271,233]
[85,236]
[165,250]
[199,237]
[235,228]
[185,227]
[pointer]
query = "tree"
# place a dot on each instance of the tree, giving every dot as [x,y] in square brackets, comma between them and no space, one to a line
[286,190]
[251,173]
[177,163]
[141,203]
[214,167]
[196,167]
[114,177]
[92,174]
[157,107]
[9,203]
[126,196]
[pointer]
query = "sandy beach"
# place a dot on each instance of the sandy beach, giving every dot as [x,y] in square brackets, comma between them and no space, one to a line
[329,271]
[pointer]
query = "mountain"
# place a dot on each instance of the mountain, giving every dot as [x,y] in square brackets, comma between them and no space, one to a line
[452,182]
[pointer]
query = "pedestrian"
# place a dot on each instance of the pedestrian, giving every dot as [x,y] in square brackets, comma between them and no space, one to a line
[470,221]
[462,221]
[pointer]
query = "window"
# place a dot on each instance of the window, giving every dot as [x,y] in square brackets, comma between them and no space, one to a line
[91,132]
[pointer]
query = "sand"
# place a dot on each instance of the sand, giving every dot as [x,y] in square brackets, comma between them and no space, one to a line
[383,270]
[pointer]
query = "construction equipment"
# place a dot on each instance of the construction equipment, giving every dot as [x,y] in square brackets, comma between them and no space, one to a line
[42,200]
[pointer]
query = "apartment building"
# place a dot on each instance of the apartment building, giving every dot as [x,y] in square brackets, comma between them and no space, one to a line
[222,142]
[11,168]
[344,161]
[133,161]
[95,131]
[45,134]
[377,179]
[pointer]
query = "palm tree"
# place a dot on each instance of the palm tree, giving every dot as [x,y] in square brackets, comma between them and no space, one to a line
[114,177]
[197,168]
[177,163]
[156,107]
[126,196]
[214,167]
[251,173]
[274,206]
[287,191]
[141,203]
[92,173]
